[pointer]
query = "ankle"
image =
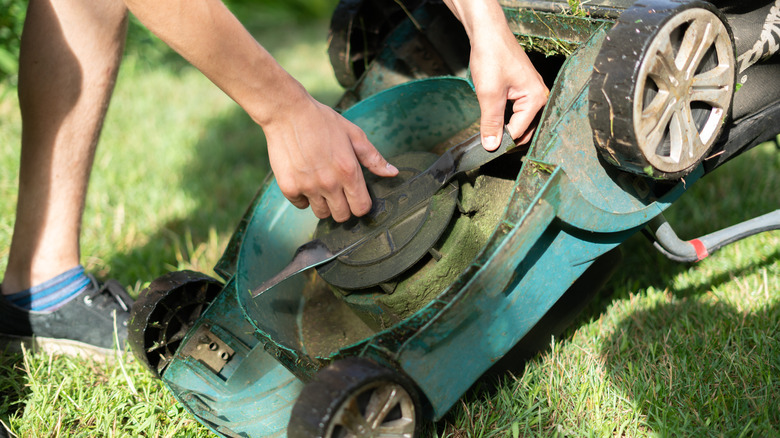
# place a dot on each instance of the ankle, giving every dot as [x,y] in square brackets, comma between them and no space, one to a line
[17,280]
[53,293]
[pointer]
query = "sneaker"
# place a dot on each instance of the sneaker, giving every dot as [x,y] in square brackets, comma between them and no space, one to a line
[93,324]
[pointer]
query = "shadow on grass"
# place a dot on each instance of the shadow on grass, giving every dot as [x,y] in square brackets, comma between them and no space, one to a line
[13,385]
[696,368]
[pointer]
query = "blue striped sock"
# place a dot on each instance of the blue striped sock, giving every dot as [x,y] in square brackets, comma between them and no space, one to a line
[52,294]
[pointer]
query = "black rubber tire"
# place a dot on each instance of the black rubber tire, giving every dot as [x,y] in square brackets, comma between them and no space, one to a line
[358,29]
[349,384]
[622,76]
[164,312]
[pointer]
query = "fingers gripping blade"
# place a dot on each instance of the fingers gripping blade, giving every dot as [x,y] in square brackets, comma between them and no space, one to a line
[466,156]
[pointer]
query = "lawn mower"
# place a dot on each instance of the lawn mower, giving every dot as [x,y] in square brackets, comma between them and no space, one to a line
[378,325]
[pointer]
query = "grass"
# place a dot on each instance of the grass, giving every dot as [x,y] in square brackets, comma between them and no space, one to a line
[665,349]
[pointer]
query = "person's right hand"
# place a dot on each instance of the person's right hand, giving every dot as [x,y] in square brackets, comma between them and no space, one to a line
[316,154]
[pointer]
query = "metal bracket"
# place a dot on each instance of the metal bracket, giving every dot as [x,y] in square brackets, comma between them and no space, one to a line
[208,349]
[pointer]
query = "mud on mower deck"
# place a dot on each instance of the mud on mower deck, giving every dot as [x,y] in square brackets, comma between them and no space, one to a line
[391,335]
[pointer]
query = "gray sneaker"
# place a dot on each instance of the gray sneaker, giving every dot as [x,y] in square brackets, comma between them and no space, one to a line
[93,324]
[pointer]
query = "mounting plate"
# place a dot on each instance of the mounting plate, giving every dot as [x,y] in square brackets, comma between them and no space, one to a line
[400,243]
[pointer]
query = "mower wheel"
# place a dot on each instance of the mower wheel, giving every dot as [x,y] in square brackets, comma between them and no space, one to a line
[358,29]
[662,87]
[356,397]
[163,314]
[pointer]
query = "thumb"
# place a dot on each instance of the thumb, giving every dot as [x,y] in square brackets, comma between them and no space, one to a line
[492,123]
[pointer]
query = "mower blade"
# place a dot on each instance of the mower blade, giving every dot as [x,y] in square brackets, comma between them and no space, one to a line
[461,158]
[308,255]
[468,155]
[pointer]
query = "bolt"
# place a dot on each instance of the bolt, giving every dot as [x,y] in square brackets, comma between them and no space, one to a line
[378,211]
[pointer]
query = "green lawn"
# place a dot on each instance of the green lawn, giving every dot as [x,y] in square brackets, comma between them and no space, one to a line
[666,349]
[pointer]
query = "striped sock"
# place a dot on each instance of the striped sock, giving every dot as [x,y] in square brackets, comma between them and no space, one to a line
[52,294]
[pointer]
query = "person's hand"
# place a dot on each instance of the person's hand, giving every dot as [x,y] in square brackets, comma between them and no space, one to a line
[316,154]
[501,72]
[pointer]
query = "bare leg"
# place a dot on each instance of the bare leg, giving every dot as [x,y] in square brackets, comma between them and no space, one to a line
[70,56]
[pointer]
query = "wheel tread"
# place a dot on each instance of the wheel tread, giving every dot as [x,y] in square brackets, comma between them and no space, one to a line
[614,76]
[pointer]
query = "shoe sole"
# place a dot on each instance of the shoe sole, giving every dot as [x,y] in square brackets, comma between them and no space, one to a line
[54,347]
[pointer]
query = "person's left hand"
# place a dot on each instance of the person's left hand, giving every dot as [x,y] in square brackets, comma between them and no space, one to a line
[501,72]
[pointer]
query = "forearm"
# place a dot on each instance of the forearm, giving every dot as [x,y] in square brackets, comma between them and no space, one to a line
[207,34]
[315,153]
[483,20]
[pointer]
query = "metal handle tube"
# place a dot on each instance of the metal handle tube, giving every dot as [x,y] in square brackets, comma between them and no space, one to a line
[674,248]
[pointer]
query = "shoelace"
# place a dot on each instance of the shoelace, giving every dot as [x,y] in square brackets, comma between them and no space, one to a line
[108,293]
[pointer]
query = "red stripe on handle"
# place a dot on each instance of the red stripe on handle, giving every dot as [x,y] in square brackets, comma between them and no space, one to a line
[701,250]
